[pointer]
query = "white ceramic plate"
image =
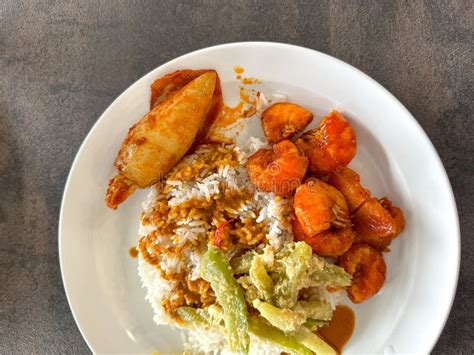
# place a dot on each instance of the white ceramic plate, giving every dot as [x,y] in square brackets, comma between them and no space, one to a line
[395,158]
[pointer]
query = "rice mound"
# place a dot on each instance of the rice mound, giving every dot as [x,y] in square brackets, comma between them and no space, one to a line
[179,216]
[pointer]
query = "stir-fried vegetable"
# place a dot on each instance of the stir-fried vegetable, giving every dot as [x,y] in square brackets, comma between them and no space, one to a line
[201,317]
[314,309]
[215,269]
[271,283]
[262,329]
[314,324]
[193,316]
[290,319]
[278,277]
[260,278]
[292,279]
[273,280]
[331,275]
[251,291]
[298,342]
[312,341]
[241,264]
[284,319]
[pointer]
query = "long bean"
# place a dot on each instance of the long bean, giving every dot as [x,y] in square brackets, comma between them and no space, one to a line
[215,269]
[262,329]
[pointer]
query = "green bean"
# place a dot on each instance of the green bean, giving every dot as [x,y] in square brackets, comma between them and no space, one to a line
[260,278]
[241,264]
[262,329]
[215,269]
[314,324]
[193,316]
[210,316]
[296,266]
[316,309]
[284,319]
[312,341]
[330,275]
[251,292]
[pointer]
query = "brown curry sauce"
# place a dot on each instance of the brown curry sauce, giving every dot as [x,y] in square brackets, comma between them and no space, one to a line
[133,252]
[339,330]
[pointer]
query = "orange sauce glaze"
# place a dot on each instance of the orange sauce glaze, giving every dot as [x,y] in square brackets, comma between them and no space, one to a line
[133,251]
[228,116]
[250,81]
[238,69]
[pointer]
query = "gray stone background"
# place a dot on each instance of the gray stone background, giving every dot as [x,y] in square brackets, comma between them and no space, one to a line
[64,62]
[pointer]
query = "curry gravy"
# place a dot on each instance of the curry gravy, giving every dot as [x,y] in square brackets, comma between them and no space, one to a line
[339,330]
[133,251]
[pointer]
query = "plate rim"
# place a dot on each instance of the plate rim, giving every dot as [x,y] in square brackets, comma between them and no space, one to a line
[283,46]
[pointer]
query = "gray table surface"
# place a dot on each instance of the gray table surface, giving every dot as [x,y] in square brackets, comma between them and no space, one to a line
[64,62]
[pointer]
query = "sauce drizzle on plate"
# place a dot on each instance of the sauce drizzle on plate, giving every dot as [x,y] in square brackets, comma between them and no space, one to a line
[133,251]
[339,330]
